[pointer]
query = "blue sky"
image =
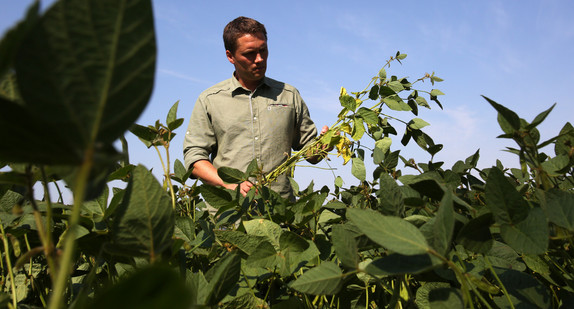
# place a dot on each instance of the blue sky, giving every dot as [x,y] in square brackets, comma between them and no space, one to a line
[517,53]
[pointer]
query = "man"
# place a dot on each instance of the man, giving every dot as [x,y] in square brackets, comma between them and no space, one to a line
[248,116]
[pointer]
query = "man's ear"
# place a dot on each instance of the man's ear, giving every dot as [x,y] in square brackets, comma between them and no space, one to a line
[230,56]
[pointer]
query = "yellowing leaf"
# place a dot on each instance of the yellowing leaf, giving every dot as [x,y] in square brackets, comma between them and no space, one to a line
[345,127]
[343,149]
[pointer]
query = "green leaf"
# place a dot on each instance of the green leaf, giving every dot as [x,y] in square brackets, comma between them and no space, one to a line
[358,128]
[565,143]
[246,243]
[289,241]
[509,116]
[397,264]
[422,102]
[184,229]
[529,236]
[231,175]
[395,103]
[358,168]
[385,91]
[396,86]
[446,298]
[265,228]
[475,234]
[325,279]
[264,256]
[374,92]
[147,288]
[525,290]
[383,74]
[443,226]
[246,300]
[473,160]
[144,221]
[197,286]
[345,246]
[539,118]
[384,144]
[179,170]
[217,197]
[295,252]
[174,125]
[88,67]
[172,115]
[222,277]
[436,79]
[339,181]
[427,184]
[417,124]
[423,293]
[146,134]
[253,169]
[390,197]
[392,233]
[368,115]
[558,207]
[13,37]
[539,266]
[503,200]
[557,166]
[55,147]
[414,107]
[122,173]
[436,92]
[348,102]
[503,256]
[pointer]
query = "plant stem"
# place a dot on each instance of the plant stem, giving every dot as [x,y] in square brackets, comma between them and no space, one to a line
[44,233]
[499,282]
[58,293]
[47,240]
[459,275]
[8,264]
[166,173]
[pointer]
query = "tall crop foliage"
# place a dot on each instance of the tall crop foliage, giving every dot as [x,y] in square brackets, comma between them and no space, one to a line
[75,78]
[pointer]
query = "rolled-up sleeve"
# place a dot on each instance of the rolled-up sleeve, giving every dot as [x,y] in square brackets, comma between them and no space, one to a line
[199,141]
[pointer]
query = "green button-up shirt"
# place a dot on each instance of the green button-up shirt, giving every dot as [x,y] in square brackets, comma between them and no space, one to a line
[231,126]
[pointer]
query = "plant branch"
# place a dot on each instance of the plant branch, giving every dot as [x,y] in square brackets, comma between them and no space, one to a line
[58,293]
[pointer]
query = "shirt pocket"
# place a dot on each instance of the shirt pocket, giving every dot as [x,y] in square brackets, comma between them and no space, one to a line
[279,119]
[279,107]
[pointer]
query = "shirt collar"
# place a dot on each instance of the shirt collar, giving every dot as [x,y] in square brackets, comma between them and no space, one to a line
[237,88]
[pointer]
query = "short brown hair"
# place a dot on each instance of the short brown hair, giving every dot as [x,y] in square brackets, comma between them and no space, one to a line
[240,27]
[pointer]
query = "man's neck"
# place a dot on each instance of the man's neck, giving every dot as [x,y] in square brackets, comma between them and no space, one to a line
[251,85]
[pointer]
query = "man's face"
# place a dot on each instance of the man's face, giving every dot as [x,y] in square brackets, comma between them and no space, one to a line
[250,58]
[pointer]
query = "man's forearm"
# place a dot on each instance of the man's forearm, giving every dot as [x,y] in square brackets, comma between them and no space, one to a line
[204,170]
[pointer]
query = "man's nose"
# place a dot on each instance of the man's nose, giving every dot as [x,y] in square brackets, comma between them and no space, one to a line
[258,58]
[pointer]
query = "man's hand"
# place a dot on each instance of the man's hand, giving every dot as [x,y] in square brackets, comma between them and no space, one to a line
[317,154]
[244,187]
